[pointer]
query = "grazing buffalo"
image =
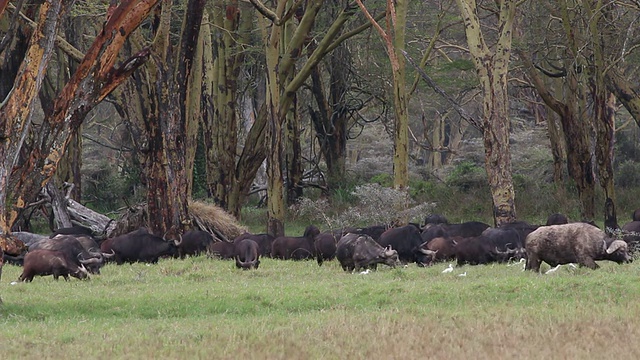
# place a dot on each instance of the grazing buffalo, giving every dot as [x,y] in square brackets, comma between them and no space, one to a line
[631,232]
[464,230]
[13,260]
[264,242]
[295,248]
[407,242]
[141,246]
[578,243]
[194,243]
[325,244]
[79,250]
[444,247]
[557,219]
[50,262]
[223,250]
[374,231]
[359,251]
[475,251]
[635,216]
[247,254]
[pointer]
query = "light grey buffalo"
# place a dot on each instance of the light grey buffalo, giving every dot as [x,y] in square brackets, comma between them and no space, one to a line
[579,243]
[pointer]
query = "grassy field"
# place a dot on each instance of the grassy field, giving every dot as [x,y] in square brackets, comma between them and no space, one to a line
[204,308]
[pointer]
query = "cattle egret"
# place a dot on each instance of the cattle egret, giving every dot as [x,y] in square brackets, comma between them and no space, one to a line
[365,272]
[463,274]
[572,265]
[448,270]
[550,271]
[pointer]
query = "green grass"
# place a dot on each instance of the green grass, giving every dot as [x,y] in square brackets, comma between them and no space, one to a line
[203,308]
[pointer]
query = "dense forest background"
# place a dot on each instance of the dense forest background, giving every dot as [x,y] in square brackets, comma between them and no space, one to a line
[250,104]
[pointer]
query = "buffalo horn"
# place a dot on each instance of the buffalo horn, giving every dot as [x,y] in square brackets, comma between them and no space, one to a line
[617,244]
[93,260]
[428,252]
[107,255]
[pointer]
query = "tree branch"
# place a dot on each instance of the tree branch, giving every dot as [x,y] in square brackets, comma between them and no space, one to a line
[462,112]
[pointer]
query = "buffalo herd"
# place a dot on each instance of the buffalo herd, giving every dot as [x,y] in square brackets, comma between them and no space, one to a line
[76,252]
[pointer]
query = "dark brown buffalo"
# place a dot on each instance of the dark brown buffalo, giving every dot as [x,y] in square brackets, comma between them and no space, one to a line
[194,243]
[141,246]
[222,249]
[50,262]
[247,254]
[326,242]
[295,248]
[465,230]
[635,216]
[407,242]
[374,231]
[557,219]
[579,243]
[264,242]
[359,251]
[75,250]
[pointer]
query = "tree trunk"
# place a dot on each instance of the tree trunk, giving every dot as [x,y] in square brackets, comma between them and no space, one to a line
[576,132]
[492,68]
[93,80]
[16,112]
[167,124]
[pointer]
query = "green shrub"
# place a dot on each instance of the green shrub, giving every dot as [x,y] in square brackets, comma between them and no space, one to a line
[628,174]
[467,176]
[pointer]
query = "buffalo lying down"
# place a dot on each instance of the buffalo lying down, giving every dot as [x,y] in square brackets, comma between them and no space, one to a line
[579,243]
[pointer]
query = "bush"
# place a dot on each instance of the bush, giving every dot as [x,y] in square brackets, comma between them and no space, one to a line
[467,176]
[628,174]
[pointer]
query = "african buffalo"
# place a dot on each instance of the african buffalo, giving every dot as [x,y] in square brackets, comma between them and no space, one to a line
[435,219]
[374,231]
[247,254]
[444,247]
[264,242]
[359,251]
[557,219]
[465,230]
[80,250]
[573,243]
[50,262]
[28,238]
[407,242]
[141,246]
[222,249]
[194,242]
[635,216]
[325,244]
[631,232]
[295,248]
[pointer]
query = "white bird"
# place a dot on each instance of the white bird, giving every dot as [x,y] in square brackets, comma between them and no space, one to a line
[448,270]
[463,274]
[550,271]
[572,265]
[14,282]
[365,272]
